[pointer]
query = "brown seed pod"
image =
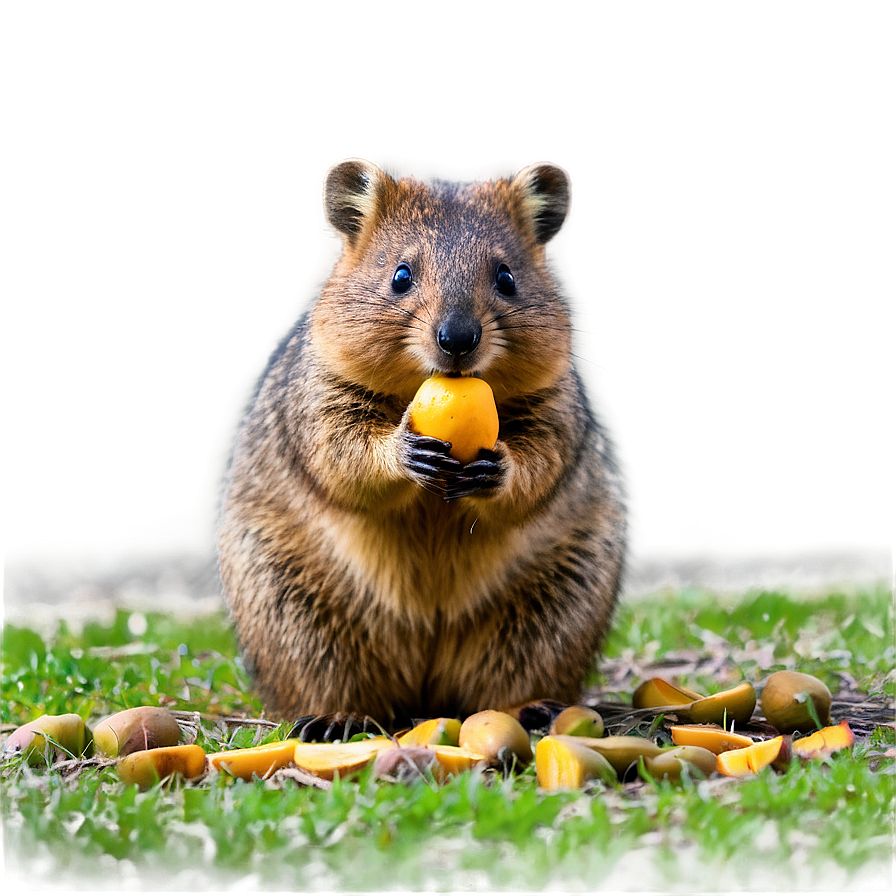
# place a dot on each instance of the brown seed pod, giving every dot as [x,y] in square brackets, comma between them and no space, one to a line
[138,728]
[404,763]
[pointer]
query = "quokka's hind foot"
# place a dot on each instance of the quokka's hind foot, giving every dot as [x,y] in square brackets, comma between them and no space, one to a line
[341,726]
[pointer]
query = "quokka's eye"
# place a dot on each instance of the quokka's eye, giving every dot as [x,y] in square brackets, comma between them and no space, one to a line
[504,281]
[402,279]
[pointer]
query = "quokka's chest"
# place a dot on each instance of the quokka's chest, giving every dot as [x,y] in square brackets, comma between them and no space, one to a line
[430,557]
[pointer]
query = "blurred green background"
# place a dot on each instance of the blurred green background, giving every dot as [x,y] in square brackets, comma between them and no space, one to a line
[730,250]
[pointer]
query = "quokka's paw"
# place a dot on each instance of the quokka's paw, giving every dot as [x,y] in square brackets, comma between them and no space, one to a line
[429,463]
[481,475]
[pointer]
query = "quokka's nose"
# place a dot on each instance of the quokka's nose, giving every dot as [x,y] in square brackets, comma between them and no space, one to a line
[459,334]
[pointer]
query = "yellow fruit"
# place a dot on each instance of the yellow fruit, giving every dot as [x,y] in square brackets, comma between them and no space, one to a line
[457,409]
[751,760]
[671,763]
[710,737]
[147,767]
[442,732]
[261,761]
[48,739]
[454,760]
[657,692]
[328,760]
[563,763]
[786,699]
[495,735]
[824,742]
[621,751]
[578,721]
[734,705]
[138,728]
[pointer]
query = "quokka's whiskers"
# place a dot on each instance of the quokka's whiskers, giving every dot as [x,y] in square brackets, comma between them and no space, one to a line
[358,315]
[536,326]
[521,308]
[396,308]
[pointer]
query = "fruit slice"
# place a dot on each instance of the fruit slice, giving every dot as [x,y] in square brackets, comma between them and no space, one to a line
[48,739]
[328,760]
[261,761]
[787,697]
[621,751]
[734,705]
[496,735]
[147,767]
[825,741]
[455,760]
[442,732]
[138,728]
[710,737]
[578,721]
[564,763]
[751,760]
[656,692]
[672,763]
[458,409]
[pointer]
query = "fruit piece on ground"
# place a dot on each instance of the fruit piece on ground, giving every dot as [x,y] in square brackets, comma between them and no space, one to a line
[138,728]
[455,760]
[733,705]
[458,409]
[441,760]
[49,738]
[710,737]
[825,741]
[751,760]
[328,760]
[671,763]
[578,721]
[261,761]
[786,700]
[656,692]
[443,732]
[621,751]
[562,762]
[496,735]
[147,767]
[406,764]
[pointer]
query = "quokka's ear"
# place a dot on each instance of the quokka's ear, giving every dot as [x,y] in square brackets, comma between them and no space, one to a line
[352,192]
[544,192]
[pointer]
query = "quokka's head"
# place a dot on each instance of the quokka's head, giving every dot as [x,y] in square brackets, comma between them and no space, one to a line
[444,277]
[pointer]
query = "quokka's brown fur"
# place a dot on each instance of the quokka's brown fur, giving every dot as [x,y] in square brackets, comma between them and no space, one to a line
[365,570]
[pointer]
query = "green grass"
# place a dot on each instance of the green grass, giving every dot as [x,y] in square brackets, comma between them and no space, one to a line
[810,826]
[824,635]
